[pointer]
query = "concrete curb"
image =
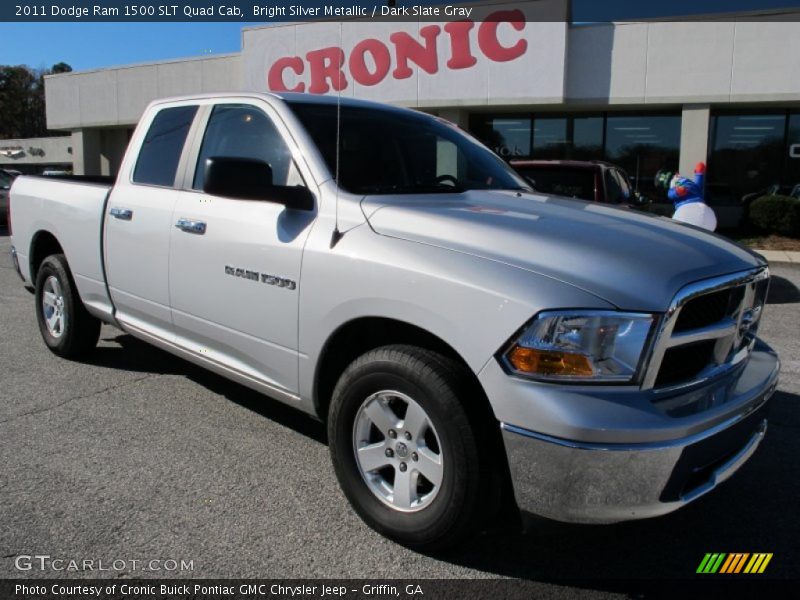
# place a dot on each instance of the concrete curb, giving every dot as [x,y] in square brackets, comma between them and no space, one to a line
[783,256]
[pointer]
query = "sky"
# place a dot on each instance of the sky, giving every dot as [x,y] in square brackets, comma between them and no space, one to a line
[95,45]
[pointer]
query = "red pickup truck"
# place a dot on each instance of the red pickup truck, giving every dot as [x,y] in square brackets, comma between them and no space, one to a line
[586,180]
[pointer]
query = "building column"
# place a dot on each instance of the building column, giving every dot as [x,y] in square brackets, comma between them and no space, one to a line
[456,115]
[113,145]
[86,152]
[695,124]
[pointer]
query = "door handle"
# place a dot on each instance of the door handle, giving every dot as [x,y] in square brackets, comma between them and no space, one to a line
[122,213]
[190,226]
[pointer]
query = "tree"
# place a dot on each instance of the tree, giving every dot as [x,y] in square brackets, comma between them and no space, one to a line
[22,106]
[61,67]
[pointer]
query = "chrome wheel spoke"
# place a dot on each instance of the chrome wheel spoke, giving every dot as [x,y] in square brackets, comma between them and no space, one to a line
[415,421]
[430,465]
[49,298]
[373,457]
[52,322]
[404,492]
[382,416]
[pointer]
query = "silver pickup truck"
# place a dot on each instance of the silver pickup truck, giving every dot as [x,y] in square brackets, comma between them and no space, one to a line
[466,341]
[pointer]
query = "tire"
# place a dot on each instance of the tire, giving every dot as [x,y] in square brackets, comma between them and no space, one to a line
[430,515]
[72,332]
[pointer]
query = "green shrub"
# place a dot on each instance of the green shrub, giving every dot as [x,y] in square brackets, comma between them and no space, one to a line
[776,214]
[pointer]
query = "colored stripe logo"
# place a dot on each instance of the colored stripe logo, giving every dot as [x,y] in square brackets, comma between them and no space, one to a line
[735,562]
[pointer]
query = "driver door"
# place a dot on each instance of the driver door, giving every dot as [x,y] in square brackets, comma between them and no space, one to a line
[235,264]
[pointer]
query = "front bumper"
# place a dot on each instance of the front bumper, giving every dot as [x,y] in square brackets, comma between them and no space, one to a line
[593,480]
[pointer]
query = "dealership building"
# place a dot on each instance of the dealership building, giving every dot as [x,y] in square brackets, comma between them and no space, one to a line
[35,155]
[645,95]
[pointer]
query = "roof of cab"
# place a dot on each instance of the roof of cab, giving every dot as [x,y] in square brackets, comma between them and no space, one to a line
[289,97]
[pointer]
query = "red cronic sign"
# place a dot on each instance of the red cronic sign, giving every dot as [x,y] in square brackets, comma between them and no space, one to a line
[327,68]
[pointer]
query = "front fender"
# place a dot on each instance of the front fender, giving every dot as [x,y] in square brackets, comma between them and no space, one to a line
[474,305]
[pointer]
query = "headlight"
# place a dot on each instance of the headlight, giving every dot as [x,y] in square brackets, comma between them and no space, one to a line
[581,345]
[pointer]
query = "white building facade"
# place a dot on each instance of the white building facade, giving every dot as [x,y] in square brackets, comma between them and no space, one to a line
[646,95]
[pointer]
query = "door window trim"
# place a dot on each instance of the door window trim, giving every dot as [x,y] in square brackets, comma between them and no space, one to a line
[140,144]
[193,150]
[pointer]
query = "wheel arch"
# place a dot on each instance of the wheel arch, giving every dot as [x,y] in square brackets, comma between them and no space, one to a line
[43,244]
[357,336]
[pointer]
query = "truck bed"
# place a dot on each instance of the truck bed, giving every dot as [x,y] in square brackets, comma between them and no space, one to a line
[70,208]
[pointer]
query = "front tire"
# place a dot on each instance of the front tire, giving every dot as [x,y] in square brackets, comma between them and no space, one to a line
[404,448]
[66,327]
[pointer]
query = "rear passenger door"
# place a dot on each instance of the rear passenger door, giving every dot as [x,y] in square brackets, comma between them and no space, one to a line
[138,222]
[234,278]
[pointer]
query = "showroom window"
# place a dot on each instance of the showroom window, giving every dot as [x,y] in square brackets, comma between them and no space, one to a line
[568,137]
[642,145]
[792,176]
[550,139]
[747,152]
[578,137]
[588,137]
[509,137]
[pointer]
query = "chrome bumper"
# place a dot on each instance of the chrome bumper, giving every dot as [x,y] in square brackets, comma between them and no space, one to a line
[599,482]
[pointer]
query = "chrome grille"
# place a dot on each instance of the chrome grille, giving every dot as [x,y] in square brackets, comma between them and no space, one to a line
[683,363]
[708,309]
[710,326]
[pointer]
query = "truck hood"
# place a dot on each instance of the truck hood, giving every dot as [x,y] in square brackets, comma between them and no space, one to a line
[634,260]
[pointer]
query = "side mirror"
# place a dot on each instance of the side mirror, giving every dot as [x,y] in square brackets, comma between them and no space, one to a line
[250,179]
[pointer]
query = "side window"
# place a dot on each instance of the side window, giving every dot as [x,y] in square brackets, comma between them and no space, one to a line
[624,185]
[162,147]
[614,190]
[244,131]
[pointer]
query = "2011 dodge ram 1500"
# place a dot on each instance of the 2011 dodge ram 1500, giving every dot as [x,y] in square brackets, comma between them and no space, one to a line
[384,271]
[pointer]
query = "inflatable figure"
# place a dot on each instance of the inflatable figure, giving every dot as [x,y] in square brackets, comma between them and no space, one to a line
[687,196]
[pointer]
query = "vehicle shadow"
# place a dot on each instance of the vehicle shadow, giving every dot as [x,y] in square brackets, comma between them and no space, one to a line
[782,291]
[131,354]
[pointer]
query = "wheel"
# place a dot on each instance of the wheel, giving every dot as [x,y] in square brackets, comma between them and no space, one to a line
[404,448]
[67,328]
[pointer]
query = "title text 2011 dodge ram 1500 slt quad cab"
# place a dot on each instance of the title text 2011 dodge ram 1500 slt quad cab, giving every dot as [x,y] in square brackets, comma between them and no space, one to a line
[380,269]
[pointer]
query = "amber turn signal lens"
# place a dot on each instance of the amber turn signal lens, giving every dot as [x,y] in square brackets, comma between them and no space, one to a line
[549,362]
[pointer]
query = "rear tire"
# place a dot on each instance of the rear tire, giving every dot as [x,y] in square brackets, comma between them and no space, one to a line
[405,450]
[66,326]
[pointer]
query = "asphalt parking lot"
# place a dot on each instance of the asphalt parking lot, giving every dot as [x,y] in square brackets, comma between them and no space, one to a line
[135,454]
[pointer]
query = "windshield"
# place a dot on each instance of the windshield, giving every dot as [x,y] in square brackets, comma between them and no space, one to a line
[401,152]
